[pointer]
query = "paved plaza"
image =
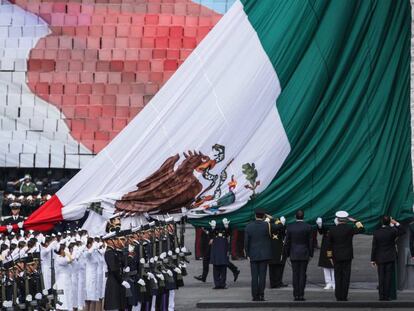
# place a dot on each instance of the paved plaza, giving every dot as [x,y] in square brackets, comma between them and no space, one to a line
[363,283]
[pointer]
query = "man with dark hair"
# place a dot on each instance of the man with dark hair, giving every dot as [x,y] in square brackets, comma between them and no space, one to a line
[258,244]
[384,254]
[299,247]
[340,251]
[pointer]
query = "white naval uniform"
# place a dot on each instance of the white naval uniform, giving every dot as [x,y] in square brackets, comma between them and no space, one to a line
[46,254]
[75,278]
[100,272]
[81,278]
[63,269]
[90,274]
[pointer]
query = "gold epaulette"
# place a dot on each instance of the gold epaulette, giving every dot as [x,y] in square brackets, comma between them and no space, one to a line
[359,225]
[277,222]
[329,254]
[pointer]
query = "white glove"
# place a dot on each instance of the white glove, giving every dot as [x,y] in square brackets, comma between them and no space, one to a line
[282,220]
[126,284]
[127,269]
[151,260]
[163,255]
[20,225]
[212,224]
[38,296]
[29,298]
[156,258]
[178,270]
[141,282]
[5,303]
[160,276]
[336,221]
[9,228]
[183,249]
[177,250]
[150,275]
[226,222]
[319,222]
[267,219]
[169,272]
[170,253]
[45,292]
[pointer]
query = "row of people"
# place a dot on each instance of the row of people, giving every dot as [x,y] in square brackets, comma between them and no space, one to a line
[138,269]
[336,251]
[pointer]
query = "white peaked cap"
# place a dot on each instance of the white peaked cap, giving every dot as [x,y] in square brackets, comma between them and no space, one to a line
[341,214]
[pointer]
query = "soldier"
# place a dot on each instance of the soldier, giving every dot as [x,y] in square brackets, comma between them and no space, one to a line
[411,228]
[115,298]
[15,217]
[299,247]
[257,243]
[27,186]
[324,261]
[340,251]
[384,254]
[219,254]
[278,261]
[206,237]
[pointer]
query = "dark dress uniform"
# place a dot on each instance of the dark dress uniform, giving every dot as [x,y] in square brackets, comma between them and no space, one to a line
[278,260]
[324,261]
[411,228]
[13,220]
[205,248]
[340,249]
[219,256]
[384,255]
[299,247]
[114,291]
[258,245]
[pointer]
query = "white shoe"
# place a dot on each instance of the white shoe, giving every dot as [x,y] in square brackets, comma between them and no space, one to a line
[328,286]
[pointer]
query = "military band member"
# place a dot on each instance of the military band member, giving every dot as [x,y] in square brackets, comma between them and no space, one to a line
[340,251]
[384,254]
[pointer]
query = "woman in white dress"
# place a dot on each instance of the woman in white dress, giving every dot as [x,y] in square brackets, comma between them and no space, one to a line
[63,269]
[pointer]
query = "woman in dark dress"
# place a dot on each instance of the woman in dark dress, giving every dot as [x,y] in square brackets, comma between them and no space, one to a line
[324,261]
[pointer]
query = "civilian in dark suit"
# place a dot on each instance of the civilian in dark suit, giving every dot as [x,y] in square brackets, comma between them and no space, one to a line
[340,250]
[258,244]
[384,254]
[299,247]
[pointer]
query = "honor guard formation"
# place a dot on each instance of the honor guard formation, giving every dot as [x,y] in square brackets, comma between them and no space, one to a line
[135,269]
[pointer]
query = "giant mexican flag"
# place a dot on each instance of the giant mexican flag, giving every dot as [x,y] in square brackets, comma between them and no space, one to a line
[284,105]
